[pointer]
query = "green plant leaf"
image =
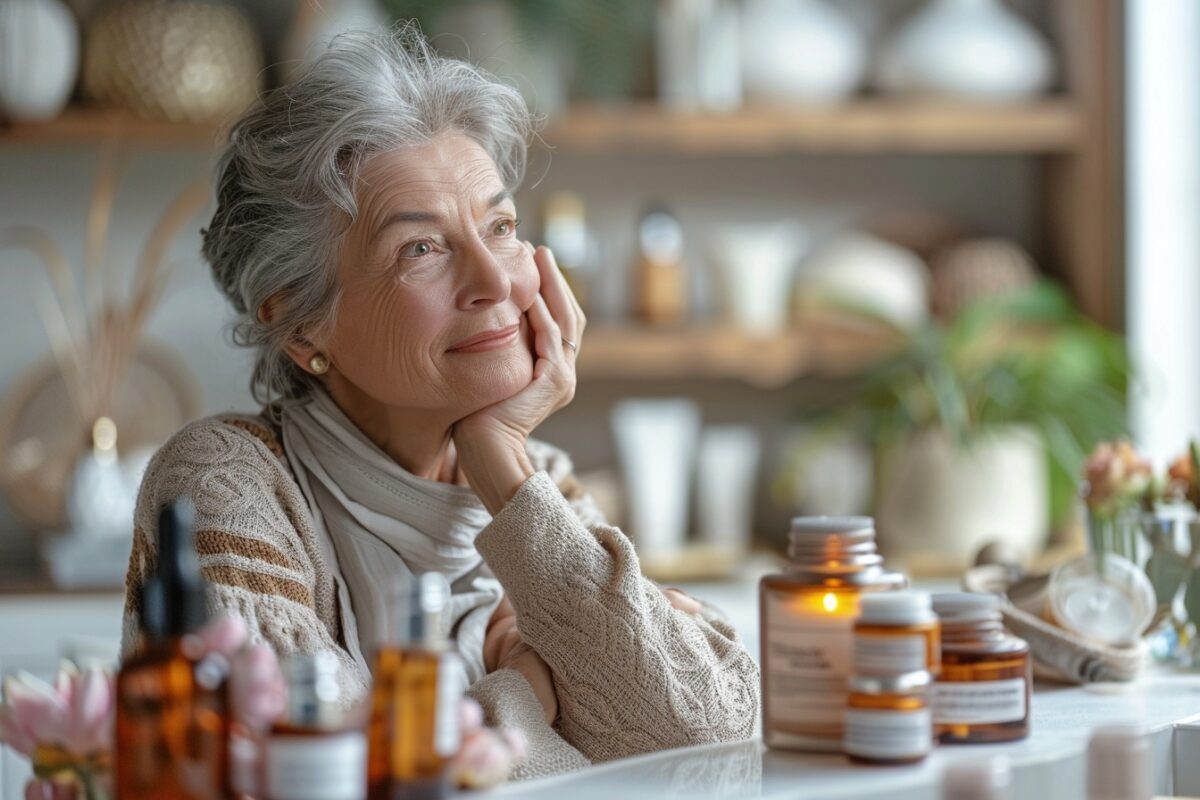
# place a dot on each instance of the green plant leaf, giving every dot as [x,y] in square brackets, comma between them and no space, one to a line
[1167,571]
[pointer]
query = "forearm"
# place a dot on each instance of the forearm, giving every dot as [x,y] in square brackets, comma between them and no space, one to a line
[495,466]
[633,673]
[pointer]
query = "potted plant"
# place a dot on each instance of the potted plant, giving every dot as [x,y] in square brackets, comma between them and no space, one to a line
[980,425]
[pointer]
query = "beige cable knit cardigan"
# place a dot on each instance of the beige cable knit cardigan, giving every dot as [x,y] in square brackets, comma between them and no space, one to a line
[632,673]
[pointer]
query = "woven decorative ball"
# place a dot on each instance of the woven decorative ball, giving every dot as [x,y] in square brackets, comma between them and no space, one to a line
[172,59]
[975,269]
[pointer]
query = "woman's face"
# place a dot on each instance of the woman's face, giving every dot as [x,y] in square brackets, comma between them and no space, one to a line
[433,263]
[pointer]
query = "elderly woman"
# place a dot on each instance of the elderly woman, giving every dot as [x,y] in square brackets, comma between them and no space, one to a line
[407,344]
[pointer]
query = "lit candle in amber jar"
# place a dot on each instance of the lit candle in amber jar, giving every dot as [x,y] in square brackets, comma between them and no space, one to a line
[807,619]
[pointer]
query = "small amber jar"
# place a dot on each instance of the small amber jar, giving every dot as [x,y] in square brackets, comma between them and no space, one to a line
[806,619]
[984,691]
[897,632]
[888,720]
[314,751]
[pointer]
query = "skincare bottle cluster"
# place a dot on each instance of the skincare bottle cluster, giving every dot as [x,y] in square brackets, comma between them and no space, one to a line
[173,718]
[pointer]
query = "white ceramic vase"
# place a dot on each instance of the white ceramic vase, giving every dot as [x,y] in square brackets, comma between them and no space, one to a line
[756,265]
[857,271]
[317,22]
[39,58]
[800,51]
[656,443]
[968,49]
[941,502]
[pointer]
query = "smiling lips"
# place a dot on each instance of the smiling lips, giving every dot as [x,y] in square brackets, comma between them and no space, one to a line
[494,339]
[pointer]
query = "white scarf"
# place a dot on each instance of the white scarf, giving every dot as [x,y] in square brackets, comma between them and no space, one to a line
[387,524]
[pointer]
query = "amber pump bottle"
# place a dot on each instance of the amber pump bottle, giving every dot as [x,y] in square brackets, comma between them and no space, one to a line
[172,720]
[414,703]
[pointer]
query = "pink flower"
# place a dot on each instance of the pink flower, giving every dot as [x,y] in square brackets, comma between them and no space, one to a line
[487,755]
[1115,477]
[74,714]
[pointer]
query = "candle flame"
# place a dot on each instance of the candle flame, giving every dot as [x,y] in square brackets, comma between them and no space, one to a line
[830,601]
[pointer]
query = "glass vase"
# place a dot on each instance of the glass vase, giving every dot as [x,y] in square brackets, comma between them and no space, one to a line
[71,776]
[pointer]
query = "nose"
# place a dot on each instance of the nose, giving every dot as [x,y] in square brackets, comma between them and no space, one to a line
[486,280]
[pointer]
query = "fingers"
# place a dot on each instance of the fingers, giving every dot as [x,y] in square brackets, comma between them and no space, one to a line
[564,306]
[681,601]
[547,336]
[225,634]
[257,686]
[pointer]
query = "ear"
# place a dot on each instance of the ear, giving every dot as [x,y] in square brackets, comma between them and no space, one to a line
[299,348]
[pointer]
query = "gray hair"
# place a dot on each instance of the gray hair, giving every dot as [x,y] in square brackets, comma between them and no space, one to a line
[286,191]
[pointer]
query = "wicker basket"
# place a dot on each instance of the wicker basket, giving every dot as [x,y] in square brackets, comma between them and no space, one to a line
[172,59]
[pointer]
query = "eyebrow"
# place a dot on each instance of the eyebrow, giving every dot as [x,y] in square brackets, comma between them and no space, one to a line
[429,216]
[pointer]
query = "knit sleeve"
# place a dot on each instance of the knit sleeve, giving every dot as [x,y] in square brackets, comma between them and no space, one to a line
[633,674]
[255,549]
[509,702]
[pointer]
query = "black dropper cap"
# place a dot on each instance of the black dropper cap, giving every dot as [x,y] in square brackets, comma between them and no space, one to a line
[173,602]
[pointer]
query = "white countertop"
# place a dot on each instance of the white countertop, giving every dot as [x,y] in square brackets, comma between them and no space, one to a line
[1048,764]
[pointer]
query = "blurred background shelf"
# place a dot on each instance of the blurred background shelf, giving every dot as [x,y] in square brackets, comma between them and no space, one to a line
[864,126]
[83,125]
[818,347]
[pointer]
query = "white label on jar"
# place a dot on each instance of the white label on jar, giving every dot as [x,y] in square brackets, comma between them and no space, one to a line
[807,660]
[331,767]
[889,655]
[888,734]
[979,703]
[451,682]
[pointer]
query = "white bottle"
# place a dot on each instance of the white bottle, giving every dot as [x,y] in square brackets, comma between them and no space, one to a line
[985,779]
[1119,764]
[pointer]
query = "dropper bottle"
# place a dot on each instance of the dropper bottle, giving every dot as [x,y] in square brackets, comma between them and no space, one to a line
[172,707]
[413,728]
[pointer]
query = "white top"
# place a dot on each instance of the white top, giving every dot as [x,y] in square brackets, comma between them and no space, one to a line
[896,608]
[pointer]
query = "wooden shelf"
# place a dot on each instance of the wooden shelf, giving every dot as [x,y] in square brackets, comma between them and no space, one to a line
[863,126]
[84,125]
[819,347]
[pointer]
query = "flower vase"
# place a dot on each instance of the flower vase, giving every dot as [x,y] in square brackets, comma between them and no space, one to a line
[1120,534]
[90,779]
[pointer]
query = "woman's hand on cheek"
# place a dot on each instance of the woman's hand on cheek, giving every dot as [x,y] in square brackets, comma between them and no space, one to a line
[492,440]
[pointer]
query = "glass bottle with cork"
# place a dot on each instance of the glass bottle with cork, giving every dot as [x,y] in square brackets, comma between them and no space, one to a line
[985,686]
[172,705]
[413,728]
[806,619]
[314,752]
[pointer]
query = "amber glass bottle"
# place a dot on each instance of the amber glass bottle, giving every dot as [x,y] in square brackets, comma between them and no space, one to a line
[888,719]
[897,632]
[314,752]
[414,702]
[806,619]
[983,691]
[172,715]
